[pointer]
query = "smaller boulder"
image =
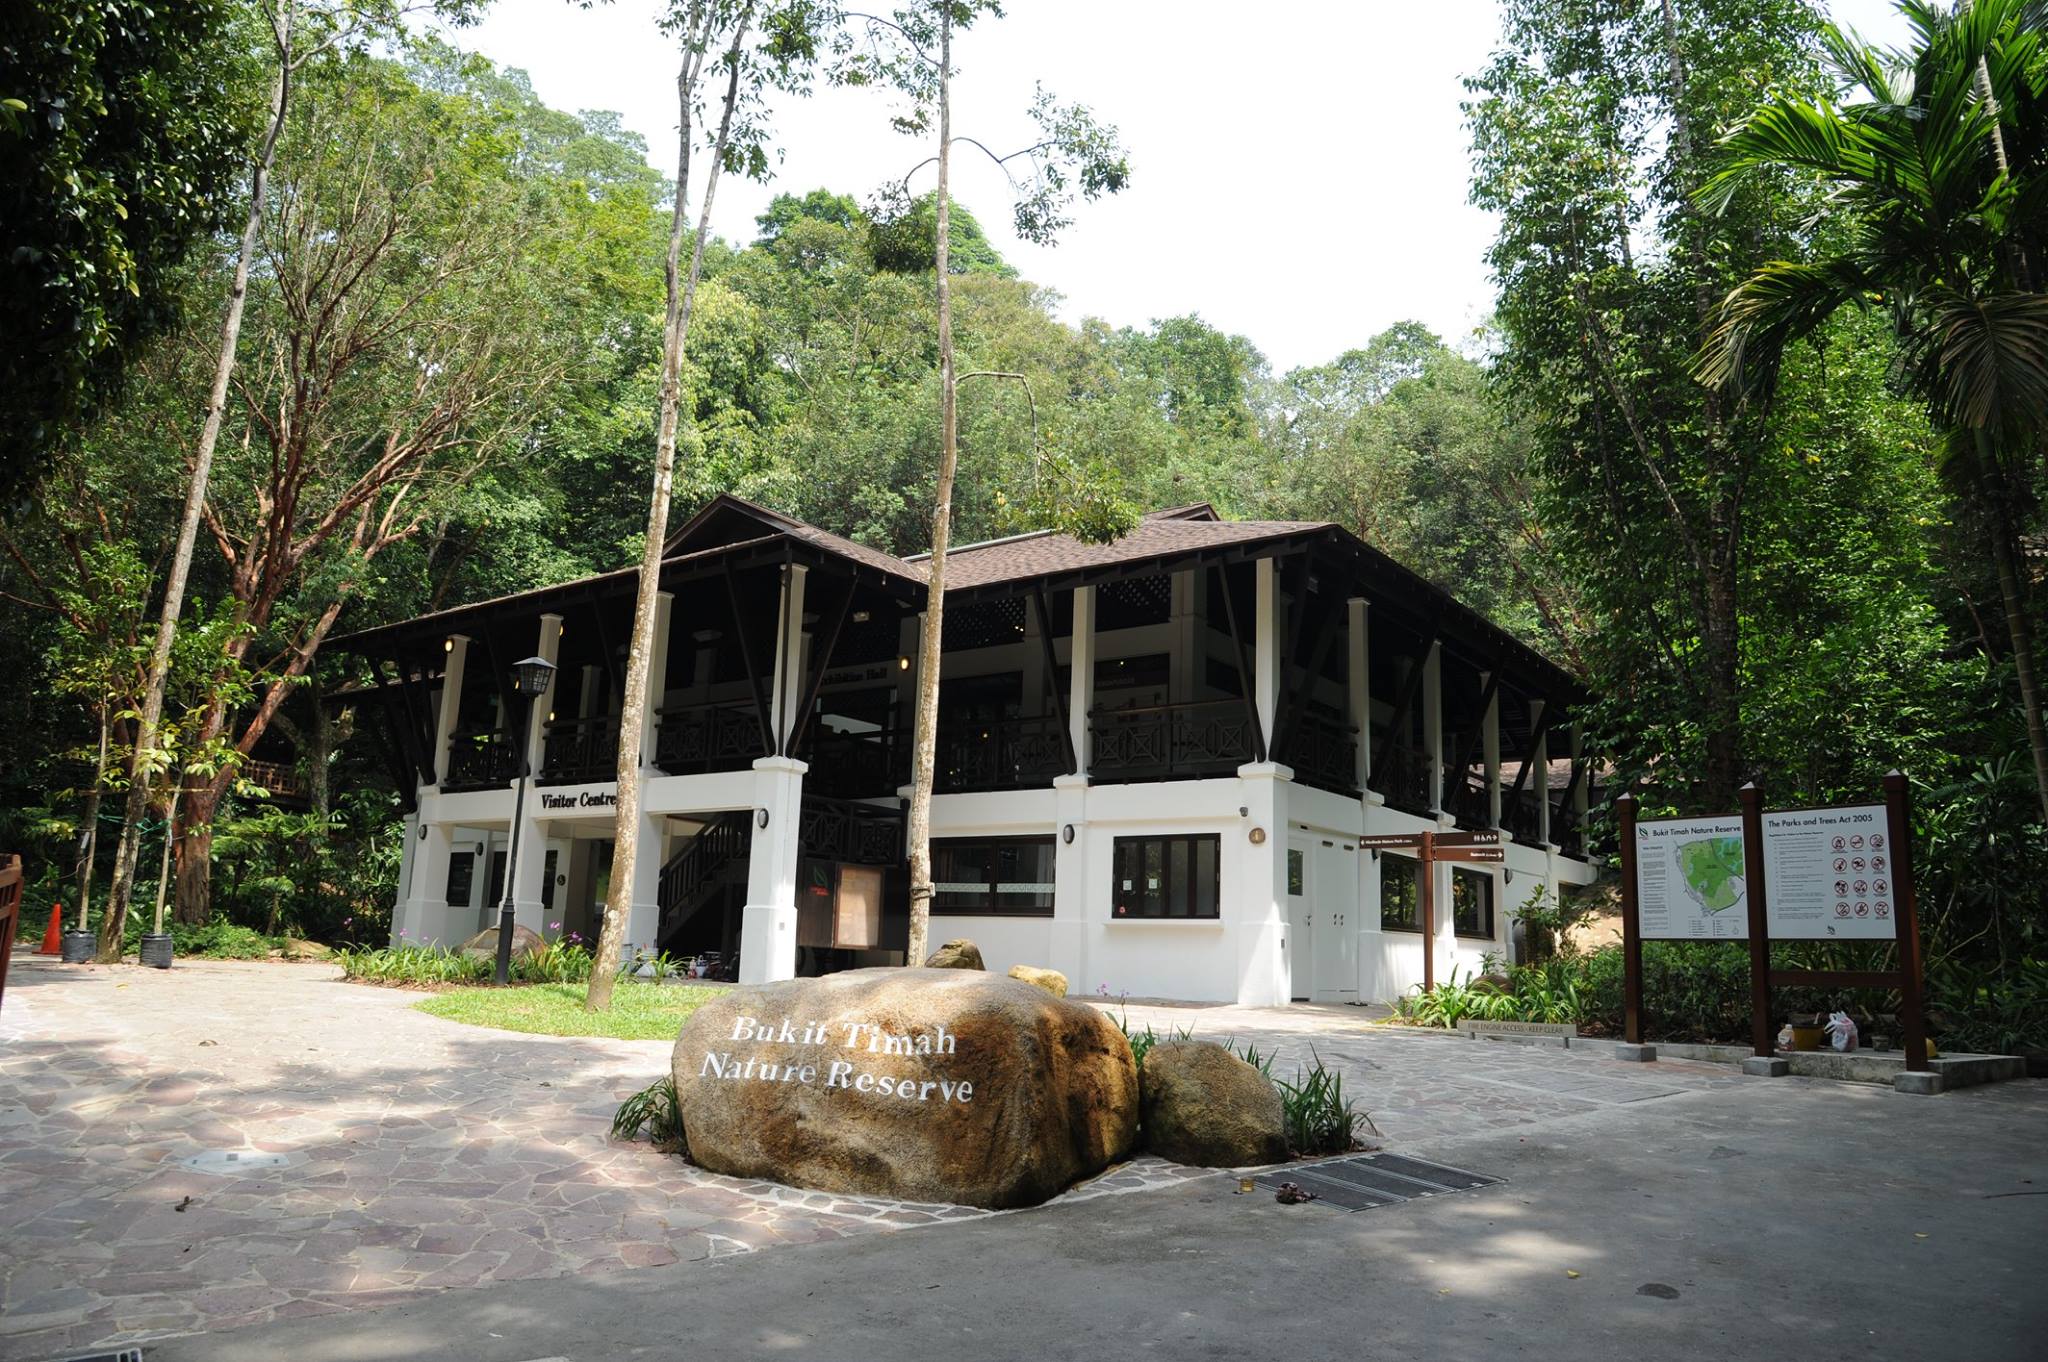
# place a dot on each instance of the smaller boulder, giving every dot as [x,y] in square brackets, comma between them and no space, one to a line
[959,953]
[484,945]
[1493,983]
[295,949]
[1200,1104]
[1051,980]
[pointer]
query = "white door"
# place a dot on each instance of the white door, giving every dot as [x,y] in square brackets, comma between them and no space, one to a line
[1333,874]
[1301,933]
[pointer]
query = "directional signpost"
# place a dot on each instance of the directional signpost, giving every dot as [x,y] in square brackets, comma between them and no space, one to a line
[1470,848]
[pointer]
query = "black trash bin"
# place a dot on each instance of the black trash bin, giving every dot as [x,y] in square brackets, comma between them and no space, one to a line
[77,948]
[156,950]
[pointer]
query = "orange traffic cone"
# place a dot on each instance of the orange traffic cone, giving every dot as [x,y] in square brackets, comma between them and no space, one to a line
[53,934]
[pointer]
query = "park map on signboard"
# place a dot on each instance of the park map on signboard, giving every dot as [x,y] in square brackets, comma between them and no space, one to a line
[1690,882]
[1828,874]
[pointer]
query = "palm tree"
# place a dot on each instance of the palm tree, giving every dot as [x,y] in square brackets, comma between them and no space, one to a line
[1937,181]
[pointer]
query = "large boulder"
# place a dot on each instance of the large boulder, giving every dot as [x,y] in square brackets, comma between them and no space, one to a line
[1205,1106]
[916,1084]
[959,953]
[484,945]
[1051,980]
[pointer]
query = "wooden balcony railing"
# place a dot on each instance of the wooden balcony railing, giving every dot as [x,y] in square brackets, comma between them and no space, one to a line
[1170,742]
[1324,753]
[578,750]
[481,759]
[694,739]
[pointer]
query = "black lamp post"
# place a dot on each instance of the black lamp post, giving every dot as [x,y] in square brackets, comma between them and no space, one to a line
[529,682]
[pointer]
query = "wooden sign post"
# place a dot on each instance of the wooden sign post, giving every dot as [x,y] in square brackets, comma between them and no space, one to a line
[1471,848]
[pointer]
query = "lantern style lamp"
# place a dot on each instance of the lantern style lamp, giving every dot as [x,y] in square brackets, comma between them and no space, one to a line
[530,679]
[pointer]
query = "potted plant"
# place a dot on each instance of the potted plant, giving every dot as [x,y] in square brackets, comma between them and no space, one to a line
[156,943]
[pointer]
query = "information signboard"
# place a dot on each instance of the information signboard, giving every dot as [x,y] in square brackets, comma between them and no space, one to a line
[1690,883]
[1829,874]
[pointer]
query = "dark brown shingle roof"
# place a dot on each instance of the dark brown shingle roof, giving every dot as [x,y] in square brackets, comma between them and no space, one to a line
[1042,555]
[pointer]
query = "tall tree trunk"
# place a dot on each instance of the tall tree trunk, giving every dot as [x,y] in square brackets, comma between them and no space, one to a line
[2018,618]
[194,831]
[319,792]
[123,885]
[89,833]
[925,737]
[682,299]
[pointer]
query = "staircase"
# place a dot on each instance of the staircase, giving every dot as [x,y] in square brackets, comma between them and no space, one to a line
[703,874]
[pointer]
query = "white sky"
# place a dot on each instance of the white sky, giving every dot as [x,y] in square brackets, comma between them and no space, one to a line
[1299,179]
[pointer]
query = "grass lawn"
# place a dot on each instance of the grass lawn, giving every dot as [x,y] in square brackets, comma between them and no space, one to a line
[638,1012]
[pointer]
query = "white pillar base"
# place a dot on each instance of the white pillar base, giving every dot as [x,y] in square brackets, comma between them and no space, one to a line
[767,943]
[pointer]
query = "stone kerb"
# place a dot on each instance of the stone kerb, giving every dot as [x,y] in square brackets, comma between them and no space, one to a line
[917,1084]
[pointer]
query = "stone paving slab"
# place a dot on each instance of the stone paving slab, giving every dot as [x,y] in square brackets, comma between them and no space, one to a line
[421,1154]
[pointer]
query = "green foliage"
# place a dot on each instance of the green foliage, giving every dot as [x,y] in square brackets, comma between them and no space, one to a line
[1320,1119]
[654,1109]
[555,962]
[638,1012]
[212,940]
[122,126]
[1990,1011]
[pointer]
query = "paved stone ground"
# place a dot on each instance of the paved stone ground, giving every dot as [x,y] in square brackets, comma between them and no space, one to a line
[422,1154]
[1429,1086]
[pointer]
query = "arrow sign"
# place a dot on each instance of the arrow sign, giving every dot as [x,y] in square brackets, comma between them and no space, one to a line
[1477,855]
[1392,839]
[1468,839]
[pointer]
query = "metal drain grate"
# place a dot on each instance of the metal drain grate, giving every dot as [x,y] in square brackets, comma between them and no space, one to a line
[125,1355]
[1369,1180]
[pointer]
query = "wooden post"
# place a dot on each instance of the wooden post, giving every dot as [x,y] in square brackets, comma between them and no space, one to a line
[1631,925]
[1906,921]
[1428,896]
[1759,921]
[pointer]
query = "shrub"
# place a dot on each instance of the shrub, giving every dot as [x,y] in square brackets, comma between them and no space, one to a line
[1320,1118]
[654,1109]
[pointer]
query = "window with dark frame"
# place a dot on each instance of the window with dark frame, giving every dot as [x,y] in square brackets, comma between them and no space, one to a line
[1166,877]
[1400,893]
[992,876]
[461,870]
[1471,902]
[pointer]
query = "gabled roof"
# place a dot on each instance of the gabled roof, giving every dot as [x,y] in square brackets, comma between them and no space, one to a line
[1164,535]
[729,520]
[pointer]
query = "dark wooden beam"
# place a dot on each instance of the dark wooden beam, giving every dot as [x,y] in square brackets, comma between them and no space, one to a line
[424,772]
[739,629]
[1052,677]
[1244,666]
[395,763]
[821,659]
[1474,744]
[1322,635]
[1536,732]
[1376,778]
[604,648]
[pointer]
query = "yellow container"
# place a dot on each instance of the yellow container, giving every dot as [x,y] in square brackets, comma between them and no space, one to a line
[1808,1037]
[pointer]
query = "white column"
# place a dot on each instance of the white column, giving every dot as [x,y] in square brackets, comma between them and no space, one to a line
[643,922]
[425,877]
[657,691]
[527,909]
[1266,651]
[789,656]
[549,646]
[1582,790]
[1358,687]
[768,923]
[1489,738]
[1077,910]
[1433,724]
[1081,676]
[1259,900]
[449,711]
